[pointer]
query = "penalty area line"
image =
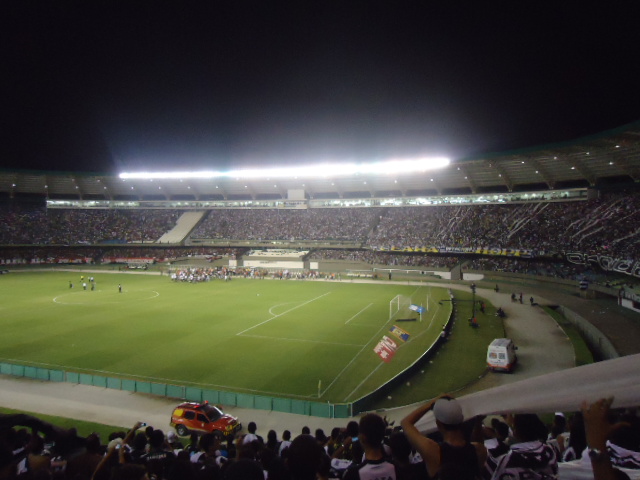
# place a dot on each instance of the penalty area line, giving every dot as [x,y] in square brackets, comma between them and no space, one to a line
[283,313]
[358,313]
[401,345]
[370,342]
[346,367]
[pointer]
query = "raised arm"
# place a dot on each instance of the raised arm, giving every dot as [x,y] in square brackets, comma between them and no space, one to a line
[598,428]
[109,453]
[427,448]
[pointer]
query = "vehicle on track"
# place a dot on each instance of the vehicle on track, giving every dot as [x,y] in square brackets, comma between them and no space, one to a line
[501,355]
[203,418]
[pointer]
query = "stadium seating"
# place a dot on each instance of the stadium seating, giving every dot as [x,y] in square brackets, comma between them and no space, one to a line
[606,225]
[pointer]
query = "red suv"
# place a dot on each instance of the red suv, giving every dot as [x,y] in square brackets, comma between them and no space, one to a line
[202,418]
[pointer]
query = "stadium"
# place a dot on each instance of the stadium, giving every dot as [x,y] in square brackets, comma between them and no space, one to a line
[74,240]
[229,226]
[340,245]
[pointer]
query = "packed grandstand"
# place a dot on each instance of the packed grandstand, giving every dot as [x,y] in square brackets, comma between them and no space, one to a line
[590,235]
[562,239]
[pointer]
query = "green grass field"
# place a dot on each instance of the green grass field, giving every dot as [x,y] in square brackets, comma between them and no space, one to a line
[266,337]
[580,347]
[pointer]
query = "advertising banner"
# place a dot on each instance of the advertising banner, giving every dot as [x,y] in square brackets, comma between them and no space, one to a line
[399,333]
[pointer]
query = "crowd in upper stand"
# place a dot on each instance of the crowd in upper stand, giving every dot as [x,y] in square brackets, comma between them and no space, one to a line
[350,224]
[596,442]
[608,225]
[605,226]
[27,224]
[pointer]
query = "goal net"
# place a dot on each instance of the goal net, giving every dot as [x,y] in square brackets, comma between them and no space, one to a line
[399,307]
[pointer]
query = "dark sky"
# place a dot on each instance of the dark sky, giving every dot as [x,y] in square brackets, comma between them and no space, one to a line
[113,86]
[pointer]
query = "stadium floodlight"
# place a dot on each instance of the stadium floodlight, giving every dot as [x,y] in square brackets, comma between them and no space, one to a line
[169,175]
[323,170]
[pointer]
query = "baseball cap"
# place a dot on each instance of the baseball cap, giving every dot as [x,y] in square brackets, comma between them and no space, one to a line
[448,411]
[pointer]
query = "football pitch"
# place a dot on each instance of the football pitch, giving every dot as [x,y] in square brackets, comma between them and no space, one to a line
[309,340]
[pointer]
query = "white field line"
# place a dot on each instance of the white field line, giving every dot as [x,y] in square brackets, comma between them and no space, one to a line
[354,358]
[276,306]
[380,365]
[414,293]
[306,341]
[363,380]
[358,313]
[357,354]
[171,381]
[283,313]
[426,330]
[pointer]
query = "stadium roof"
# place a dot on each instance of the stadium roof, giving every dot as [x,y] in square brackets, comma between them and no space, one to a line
[612,157]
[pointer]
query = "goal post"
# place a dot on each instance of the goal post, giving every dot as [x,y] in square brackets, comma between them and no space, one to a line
[403,307]
[399,305]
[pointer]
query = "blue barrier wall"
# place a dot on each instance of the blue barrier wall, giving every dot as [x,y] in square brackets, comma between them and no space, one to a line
[194,394]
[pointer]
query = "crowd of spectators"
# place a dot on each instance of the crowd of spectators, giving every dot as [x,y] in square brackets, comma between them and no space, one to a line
[606,226]
[39,255]
[596,440]
[385,258]
[348,224]
[194,274]
[21,223]
[28,224]
[603,226]
[198,274]
[436,226]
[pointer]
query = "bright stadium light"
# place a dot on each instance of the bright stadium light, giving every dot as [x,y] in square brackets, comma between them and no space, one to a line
[389,167]
[170,175]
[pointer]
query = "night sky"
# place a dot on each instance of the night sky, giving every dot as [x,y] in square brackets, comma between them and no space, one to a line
[113,86]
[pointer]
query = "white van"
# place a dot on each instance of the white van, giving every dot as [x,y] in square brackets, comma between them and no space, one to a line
[501,355]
